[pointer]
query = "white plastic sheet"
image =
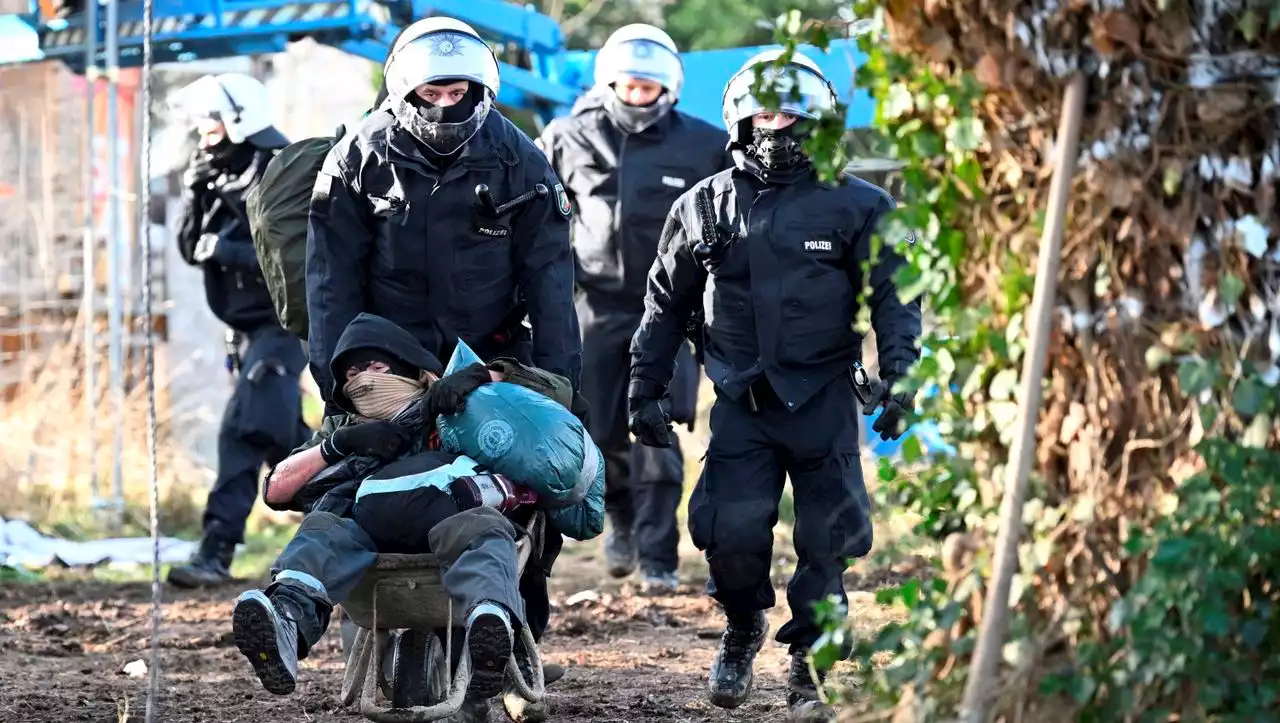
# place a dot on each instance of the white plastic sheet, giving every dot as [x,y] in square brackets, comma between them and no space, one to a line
[21,545]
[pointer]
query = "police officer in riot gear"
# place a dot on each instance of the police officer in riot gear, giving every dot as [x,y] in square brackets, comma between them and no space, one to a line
[263,419]
[775,258]
[441,216]
[626,155]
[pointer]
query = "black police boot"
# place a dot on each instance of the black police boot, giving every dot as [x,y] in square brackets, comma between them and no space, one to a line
[803,701]
[518,709]
[731,670]
[209,566]
[266,632]
[620,550]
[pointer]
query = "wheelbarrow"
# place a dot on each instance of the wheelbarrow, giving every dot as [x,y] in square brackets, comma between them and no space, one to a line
[404,593]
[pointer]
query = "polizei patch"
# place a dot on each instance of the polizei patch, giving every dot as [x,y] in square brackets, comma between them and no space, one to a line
[562,201]
[817,245]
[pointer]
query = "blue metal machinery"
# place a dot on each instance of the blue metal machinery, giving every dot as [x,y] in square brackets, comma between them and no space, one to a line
[538,73]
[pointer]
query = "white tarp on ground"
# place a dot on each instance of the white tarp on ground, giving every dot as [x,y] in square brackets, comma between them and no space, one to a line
[22,546]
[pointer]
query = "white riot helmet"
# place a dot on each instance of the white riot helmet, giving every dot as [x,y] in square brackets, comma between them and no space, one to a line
[239,102]
[801,87]
[434,50]
[641,51]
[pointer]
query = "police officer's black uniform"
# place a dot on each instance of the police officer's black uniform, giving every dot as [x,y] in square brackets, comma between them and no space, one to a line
[778,280]
[397,229]
[623,184]
[263,419]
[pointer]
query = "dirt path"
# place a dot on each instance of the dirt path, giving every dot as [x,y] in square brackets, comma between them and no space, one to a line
[64,645]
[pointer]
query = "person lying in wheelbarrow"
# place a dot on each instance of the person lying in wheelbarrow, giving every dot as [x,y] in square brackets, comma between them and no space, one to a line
[377,481]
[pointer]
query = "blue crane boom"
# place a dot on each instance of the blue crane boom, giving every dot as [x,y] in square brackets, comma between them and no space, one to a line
[538,73]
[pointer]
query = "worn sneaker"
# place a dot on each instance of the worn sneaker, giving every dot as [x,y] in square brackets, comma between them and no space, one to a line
[489,640]
[268,637]
[803,701]
[731,670]
[619,551]
[659,583]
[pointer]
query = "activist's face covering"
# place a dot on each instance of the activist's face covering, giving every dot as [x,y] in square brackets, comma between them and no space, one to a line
[378,395]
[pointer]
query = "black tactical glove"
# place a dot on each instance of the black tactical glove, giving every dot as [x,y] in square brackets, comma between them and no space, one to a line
[649,423]
[199,171]
[449,395]
[380,438]
[890,425]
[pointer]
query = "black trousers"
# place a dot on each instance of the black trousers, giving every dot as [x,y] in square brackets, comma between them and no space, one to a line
[735,503]
[261,424]
[643,485]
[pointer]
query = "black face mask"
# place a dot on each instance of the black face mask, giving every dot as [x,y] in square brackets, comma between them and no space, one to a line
[231,157]
[779,149]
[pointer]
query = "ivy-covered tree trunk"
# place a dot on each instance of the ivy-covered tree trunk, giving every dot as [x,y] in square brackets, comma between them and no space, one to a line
[1150,578]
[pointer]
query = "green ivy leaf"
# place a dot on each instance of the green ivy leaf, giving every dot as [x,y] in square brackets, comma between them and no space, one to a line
[1250,25]
[964,134]
[1194,376]
[1231,287]
[1248,397]
[897,102]
[911,593]
[1003,385]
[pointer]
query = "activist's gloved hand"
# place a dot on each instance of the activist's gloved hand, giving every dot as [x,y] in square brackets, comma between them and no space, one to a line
[380,438]
[890,425]
[449,395]
[649,422]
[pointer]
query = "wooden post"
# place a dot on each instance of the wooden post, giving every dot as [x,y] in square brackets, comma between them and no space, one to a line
[987,654]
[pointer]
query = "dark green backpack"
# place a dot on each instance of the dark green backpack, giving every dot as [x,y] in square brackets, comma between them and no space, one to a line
[278,208]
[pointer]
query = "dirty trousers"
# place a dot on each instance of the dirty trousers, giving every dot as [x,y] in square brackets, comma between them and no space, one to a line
[329,555]
[734,506]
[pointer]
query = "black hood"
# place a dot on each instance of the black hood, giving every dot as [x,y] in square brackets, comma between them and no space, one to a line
[368,331]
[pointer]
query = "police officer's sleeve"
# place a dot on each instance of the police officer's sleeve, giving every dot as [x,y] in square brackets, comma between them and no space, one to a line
[675,285]
[544,264]
[896,323]
[339,234]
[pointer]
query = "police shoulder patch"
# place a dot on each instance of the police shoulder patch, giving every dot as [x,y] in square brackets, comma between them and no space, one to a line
[562,201]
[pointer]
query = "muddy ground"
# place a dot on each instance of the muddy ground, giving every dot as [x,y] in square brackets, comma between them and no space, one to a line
[64,645]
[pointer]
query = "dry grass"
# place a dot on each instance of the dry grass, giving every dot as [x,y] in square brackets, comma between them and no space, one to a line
[48,460]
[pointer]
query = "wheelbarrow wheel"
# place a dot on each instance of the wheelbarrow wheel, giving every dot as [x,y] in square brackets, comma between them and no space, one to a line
[420,673]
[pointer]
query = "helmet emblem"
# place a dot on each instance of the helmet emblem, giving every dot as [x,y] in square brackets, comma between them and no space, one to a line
[444,44]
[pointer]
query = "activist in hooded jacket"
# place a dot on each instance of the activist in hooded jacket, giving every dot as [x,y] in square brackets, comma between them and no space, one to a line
[234,287]
[392,234]
[622,186]
[334,489]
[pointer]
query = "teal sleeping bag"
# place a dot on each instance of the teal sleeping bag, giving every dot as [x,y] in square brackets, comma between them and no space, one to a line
[529,437]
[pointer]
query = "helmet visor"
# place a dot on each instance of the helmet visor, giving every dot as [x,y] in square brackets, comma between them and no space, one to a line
[800,92]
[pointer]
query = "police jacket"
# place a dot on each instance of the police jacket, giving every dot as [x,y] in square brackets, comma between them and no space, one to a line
[622,186]
[779,283]
[233,284]
[391,234]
